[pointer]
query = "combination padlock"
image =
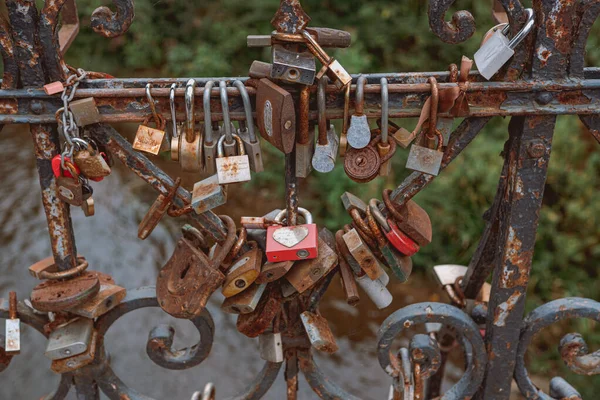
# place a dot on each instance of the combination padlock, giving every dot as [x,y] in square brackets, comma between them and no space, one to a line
[290,243]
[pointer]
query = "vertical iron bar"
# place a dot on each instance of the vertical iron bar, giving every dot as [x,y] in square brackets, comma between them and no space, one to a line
[291,188]
[24,20]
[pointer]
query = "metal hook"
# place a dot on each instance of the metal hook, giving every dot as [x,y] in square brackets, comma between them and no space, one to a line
[208,131]
[173,110]
[225,108]
[385,111]
[247,109]
[190,87]
[152,104]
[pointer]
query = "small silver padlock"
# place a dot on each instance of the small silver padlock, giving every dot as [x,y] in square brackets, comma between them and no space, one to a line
[328,143]
[212,133]
[247,134]
[271,347]
[232,169]
[359,133]
[208,194]
[292,66]
[497,50]
[13,326]
[70,339]
[318,332]
[376,291]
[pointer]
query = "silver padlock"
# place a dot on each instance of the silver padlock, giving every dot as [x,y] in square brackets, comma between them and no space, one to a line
[244,302]
[229,145]
[70,339]
[359,133]
[190,144]
[233,169]
[212,132]
[292,66]
[328,143]
[376,291]
[497,50]
[362,254]
[13,326]
[208,194]
[271,347]
[247,133]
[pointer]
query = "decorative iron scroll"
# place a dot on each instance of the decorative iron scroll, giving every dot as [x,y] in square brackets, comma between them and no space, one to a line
[545,78]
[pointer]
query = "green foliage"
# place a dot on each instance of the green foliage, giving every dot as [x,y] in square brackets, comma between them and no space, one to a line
[183,38]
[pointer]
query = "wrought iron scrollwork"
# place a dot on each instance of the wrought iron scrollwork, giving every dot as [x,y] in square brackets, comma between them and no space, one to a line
[460,29]
[572,347]
[467,334]
[109,24]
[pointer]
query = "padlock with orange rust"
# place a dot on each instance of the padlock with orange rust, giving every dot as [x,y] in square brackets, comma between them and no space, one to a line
[149,139]
[411,219]
[289,243]
[190,277]
[393,234]
[157,211]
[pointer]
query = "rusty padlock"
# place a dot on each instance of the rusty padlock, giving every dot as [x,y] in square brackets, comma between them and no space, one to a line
[243,272]
[258,321]
[190,277]
[276,115]
[411,219]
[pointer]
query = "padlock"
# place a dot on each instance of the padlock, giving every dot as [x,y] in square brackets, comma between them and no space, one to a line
[293,66]
[13,327]
[423,159]
[411,219]
[244,302]
[376,290]
[54,88]
[190,143]
[73,363]
[149,139]
[232,169]
[352,202]
[400,264]
[359,133]
[306,273]
[109,296]
[157,211]
[57,295]
[287,289]
[362,254]
[57,169]
[90,162]
[334,70]
[384,147]
[288,243]
[328,143]
[318,332]
[258,321]
[270,347]
[88,207]
[70,339]
[305,143]
[398,239]
[276,115]
[212,133]
[243,272]
[246,131]
[70,190]
[260,69]
[497,50]
[362,165]
[208,194]
[189,278]
[345,123]
[271,272]
[85,111]
[258,233]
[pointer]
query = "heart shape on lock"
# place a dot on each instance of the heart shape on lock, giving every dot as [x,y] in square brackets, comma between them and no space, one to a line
[290,236]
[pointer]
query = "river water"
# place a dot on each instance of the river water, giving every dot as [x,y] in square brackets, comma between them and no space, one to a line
[110,244]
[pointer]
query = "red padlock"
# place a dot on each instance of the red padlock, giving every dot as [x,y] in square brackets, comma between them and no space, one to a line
[291,243]
[399,240]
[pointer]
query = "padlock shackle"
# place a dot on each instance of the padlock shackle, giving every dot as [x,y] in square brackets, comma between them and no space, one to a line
[378,215]
[385,110]
[225,109]
[346,120]
[522,34]
[359,106]
[208,131]
[322,110]
[174,132]
[152,104]
[247,110]
[190,87]
[433,106]
[308,219]
[240,143]
[82,142]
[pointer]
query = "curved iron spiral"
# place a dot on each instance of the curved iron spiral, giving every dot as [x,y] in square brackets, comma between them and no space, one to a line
[110,24]
[572,347]
[461,28]
[467,334]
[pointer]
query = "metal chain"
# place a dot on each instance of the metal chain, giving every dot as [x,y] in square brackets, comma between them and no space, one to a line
[70,129]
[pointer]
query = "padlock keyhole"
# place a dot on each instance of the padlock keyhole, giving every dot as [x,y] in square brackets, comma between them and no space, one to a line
[185,271]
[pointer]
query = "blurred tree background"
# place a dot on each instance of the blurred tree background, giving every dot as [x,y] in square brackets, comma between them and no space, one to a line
[180,38]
